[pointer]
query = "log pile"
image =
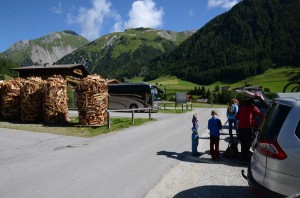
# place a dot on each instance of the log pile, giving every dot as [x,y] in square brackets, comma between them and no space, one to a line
[10,100]
[31,99]
[92,95]
[55,100]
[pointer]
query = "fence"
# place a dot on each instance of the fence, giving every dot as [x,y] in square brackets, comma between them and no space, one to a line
[174,105]
[127,110]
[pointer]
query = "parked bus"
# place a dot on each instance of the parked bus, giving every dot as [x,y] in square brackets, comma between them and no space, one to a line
[133,96]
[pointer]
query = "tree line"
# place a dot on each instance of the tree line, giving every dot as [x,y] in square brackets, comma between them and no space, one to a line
[247,40]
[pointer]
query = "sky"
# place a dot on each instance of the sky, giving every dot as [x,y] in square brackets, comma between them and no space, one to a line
[32,19]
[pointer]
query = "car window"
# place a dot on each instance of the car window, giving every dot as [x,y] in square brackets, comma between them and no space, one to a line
[260,104]
[273,121]
[298,130]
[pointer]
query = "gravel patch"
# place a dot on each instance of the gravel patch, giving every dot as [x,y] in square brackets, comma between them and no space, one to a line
[203,177]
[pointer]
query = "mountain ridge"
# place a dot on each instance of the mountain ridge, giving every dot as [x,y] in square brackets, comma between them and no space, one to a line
[248,39]
[124,54]
[46,49]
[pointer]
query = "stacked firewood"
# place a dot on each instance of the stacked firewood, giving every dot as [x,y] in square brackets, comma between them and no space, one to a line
[10,100]
[92,95]
[32,99]
[55,100]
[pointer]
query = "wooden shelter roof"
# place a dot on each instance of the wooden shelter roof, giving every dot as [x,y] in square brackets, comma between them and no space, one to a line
[75,70]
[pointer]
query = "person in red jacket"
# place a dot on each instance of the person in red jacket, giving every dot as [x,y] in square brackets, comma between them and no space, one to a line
[246,121]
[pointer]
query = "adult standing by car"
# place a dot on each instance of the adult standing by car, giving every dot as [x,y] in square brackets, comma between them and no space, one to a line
[232,110]
[245,117]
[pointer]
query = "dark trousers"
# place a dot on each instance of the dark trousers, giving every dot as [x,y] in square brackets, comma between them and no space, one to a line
[245,137]
[231,124]
[194,143]
[214,146]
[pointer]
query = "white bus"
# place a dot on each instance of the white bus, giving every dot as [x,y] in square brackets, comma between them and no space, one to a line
[133,96]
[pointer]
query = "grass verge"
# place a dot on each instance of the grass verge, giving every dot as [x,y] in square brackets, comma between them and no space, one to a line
[71,129]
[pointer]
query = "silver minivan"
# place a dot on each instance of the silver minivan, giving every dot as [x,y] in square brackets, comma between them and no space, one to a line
[274,170]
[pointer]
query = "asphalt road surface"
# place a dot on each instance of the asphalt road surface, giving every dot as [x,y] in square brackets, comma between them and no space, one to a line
[125,164]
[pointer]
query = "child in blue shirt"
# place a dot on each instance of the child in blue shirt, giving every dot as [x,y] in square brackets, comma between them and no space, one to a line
[195,129]
[214,126]
[231,119]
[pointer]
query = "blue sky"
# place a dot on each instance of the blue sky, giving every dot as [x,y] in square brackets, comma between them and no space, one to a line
[31,19]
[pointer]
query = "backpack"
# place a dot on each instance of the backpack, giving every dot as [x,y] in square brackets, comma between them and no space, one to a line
[230,109]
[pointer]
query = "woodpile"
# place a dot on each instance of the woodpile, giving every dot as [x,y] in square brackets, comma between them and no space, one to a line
[35,100]
[92,95]
[10,100]
[55,100]
[32,99]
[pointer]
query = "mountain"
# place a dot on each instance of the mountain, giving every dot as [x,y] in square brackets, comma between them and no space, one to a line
[248,39]
[125,54]
[46,49]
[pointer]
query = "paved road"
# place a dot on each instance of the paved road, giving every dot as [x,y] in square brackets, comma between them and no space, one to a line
[126,164]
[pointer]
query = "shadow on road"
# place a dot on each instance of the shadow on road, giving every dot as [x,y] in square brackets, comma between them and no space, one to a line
[217,192]
[202,158]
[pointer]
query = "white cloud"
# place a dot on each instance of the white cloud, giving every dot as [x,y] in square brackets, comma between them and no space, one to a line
[144,13]
[58,9]
[227,4]
[91,19]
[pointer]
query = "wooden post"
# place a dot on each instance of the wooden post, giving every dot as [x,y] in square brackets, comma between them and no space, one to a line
[108,120]
[150,114]
[132,116]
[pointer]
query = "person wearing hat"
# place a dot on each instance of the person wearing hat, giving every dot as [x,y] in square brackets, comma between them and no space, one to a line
[214,127]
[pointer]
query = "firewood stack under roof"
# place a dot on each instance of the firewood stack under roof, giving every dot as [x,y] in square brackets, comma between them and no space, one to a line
[32,99]
[55,100]
[10,99]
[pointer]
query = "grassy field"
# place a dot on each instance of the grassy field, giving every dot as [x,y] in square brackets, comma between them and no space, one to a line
[274,79]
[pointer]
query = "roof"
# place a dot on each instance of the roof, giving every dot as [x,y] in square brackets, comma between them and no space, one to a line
[113,81]
[76,70]
[294,95]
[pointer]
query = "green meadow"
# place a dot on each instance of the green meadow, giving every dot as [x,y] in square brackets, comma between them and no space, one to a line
[274,79]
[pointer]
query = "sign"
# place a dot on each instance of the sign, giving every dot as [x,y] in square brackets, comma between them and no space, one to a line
[181,97]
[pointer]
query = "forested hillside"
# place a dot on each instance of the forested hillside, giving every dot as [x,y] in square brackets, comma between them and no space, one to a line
[5,68]
[250,38]
[125,54]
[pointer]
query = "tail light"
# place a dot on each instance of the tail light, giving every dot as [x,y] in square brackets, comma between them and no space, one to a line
[271,149]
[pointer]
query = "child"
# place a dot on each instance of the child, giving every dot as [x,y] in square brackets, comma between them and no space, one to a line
[195,128]
[214,126]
